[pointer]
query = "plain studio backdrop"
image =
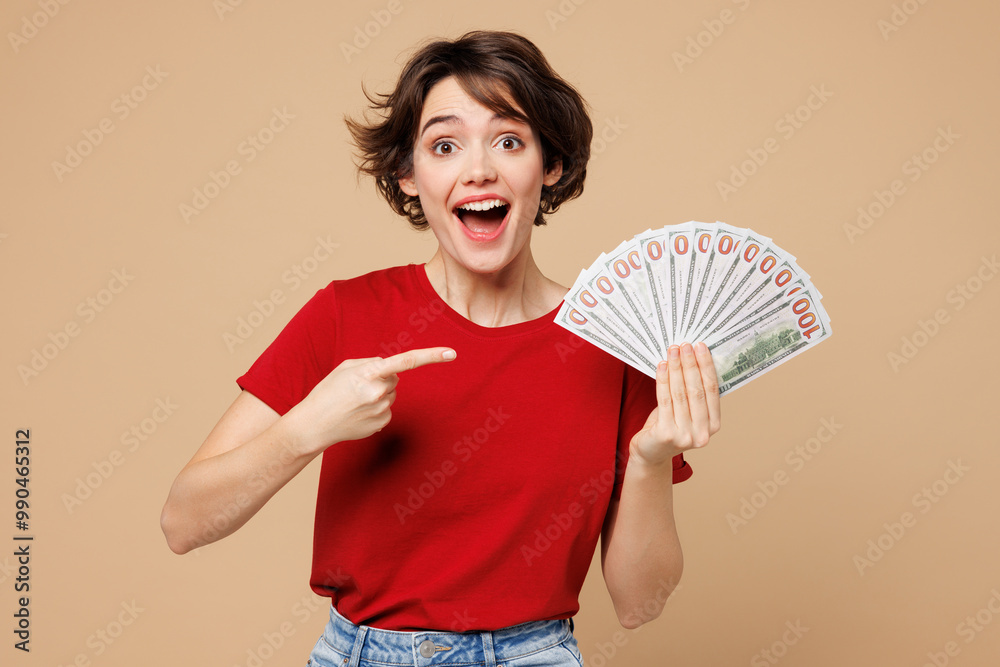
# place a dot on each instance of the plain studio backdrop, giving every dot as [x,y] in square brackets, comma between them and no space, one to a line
[178,182]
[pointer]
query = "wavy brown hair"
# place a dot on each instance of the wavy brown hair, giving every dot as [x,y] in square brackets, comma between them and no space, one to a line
[504,72]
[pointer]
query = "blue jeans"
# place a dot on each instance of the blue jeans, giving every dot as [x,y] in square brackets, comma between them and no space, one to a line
[531,644]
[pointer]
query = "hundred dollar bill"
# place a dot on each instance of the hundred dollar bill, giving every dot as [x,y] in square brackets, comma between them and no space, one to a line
[573,320]
[701,244]
[624,266]
[702,260]
[654,251]
[731,287]
[781,274]
[753,273]
[768,340]
[606,316]
[725,249]
[751,312]
[680,240]
[599,285]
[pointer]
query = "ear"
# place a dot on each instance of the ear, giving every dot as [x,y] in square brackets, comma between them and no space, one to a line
[408,185]
[553,173]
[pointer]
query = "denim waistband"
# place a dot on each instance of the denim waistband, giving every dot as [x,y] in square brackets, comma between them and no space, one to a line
[432,647]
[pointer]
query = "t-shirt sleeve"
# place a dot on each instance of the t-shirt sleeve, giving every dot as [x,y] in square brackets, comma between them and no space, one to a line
[638,401]
[301,355]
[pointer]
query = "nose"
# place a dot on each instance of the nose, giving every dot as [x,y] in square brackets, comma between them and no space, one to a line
[478,166]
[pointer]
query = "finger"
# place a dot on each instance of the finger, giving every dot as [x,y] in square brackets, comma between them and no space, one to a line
[697,405]
[710,380]
[351,363]
[678,393]
[369,369]
[407,361]
[664,404]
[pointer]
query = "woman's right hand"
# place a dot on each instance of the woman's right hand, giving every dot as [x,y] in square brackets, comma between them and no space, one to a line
[353,401]
[252,452]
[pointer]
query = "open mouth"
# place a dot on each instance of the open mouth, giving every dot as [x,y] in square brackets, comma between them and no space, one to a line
[483,219]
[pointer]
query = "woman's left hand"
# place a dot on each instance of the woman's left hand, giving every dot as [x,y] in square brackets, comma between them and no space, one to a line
[687,406]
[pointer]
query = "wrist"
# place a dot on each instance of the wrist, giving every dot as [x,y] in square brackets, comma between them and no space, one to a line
[293,437]
[663,460]
[663,464]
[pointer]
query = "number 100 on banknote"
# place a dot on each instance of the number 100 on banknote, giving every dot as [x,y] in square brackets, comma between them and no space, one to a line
[730,287]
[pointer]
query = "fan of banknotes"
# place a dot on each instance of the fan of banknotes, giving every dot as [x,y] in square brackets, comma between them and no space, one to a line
[730,287]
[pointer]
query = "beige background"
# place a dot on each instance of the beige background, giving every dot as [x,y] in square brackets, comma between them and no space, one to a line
[670,134]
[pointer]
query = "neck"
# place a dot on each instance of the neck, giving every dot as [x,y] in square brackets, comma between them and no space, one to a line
[517,293]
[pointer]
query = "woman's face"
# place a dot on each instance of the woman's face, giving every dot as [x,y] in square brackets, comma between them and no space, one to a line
[479,178]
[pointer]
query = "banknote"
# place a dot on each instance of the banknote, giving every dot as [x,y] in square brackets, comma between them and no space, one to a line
[656,258]
[768,339]
[605,319]
[625,267]
[731,287]
[572,319]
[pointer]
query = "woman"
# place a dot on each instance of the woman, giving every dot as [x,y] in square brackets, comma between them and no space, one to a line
[466,475]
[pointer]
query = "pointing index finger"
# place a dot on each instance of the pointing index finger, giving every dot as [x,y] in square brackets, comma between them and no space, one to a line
[407,361]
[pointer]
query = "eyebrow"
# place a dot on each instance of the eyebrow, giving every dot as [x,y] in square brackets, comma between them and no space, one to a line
[451,118]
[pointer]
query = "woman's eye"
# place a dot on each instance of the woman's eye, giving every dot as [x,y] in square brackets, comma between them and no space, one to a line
[443,148]
[510,143]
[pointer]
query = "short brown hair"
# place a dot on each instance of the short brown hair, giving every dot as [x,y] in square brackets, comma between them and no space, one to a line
[501,71]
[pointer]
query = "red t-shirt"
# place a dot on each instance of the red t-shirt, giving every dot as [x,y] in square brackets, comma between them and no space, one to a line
[480,505]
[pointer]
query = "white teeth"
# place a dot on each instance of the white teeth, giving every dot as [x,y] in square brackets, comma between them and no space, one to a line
[484,205]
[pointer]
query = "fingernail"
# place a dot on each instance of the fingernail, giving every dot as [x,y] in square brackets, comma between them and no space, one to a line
[449,354]
[687,350]
[662,366]
[674,352]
